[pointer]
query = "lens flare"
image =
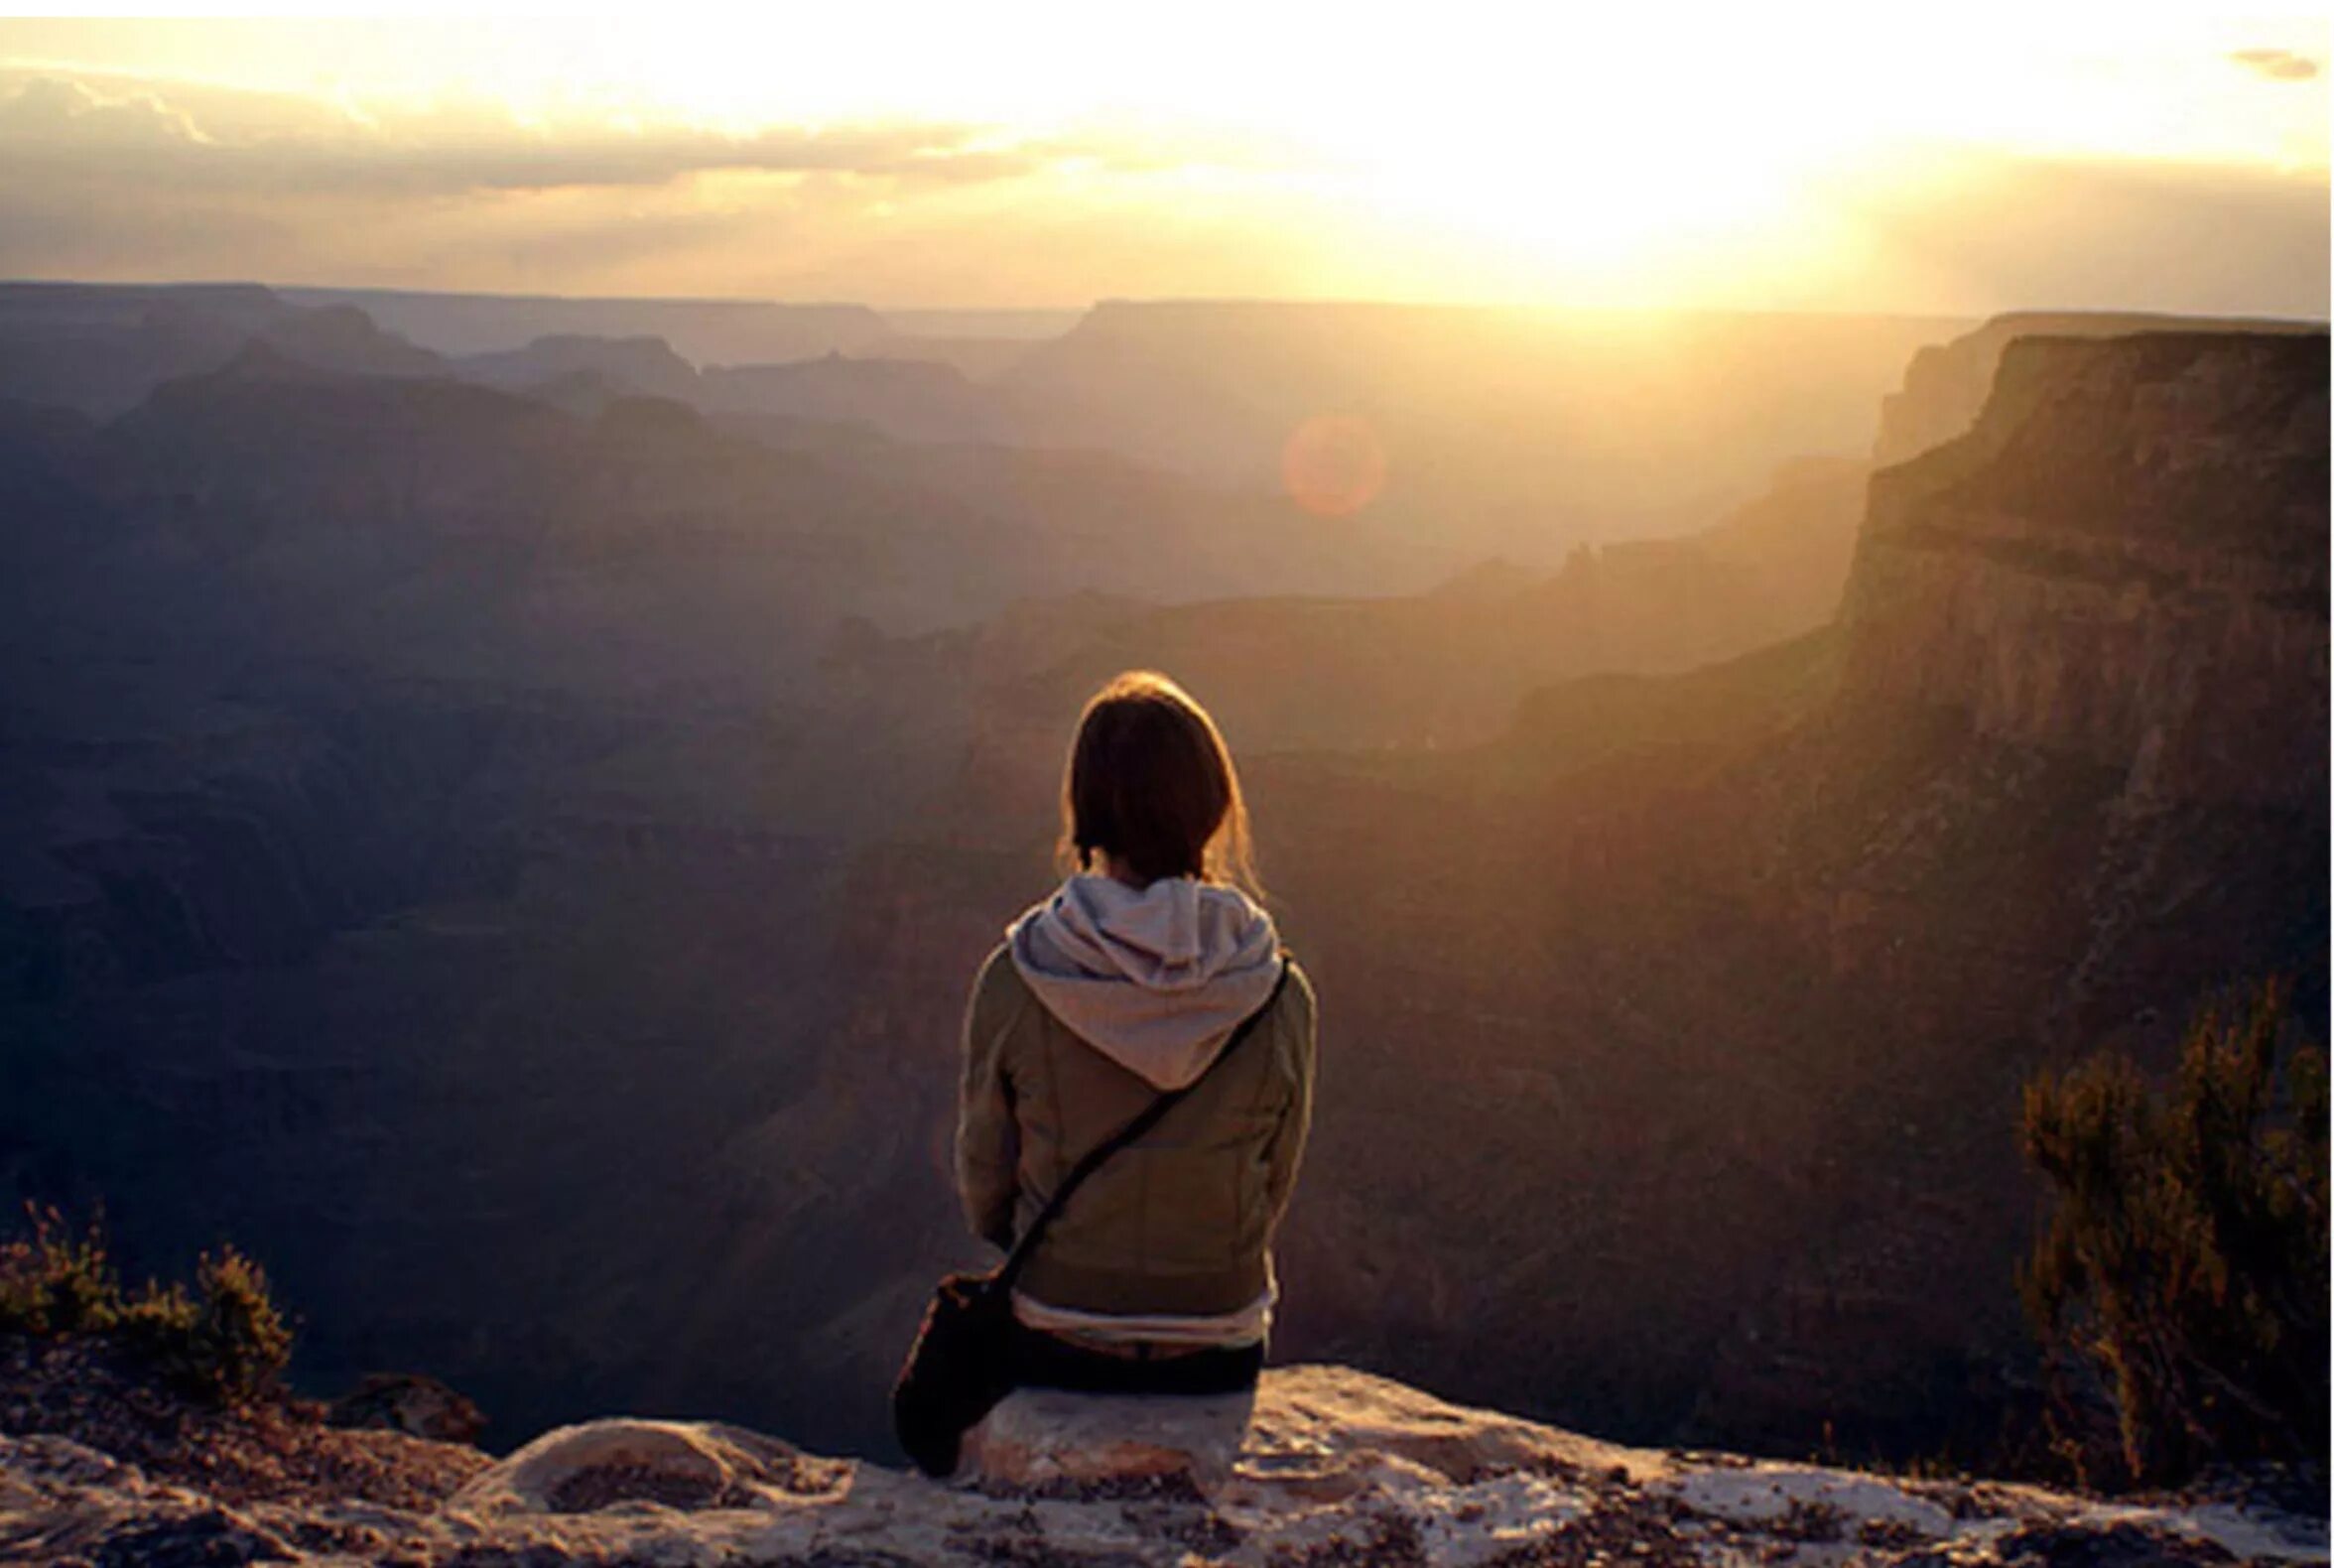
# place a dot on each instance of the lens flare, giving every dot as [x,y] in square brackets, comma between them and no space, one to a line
[1333,465]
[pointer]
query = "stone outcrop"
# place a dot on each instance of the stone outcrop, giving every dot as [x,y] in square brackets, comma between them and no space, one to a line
[2125,559]
[1335,1467]
[407,1402]
[1946,384]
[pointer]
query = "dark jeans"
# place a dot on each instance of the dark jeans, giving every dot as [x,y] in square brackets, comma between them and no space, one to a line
[1041,1360]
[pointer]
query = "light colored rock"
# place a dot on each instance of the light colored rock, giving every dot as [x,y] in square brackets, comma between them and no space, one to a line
[1329,1467]
[1041,1437]
[1783,1494]
[1329,1410]
[683,1465]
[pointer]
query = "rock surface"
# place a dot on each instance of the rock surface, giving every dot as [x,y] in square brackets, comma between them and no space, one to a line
[1042,1437]
[1336,1467]
[406,1402]
[1946,384]
[2125,559]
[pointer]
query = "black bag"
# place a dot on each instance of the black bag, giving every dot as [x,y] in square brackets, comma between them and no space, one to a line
[961,1364]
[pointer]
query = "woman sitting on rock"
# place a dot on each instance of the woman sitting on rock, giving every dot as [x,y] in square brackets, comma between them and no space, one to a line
[1130,981]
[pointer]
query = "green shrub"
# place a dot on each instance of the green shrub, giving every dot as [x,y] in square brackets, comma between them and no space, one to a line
[239,1341]
[54,1282]
[2180,1285]
[225,1341]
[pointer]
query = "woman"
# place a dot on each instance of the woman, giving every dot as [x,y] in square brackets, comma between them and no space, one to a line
[1130,981]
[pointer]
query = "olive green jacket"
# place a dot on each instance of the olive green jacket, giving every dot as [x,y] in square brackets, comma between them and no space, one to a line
[1180,1222]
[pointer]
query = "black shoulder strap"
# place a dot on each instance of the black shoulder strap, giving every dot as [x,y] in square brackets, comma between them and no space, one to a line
[1144,1120]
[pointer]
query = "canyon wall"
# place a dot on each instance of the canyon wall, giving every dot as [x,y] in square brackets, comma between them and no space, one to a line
[1946,384]
[2125,559]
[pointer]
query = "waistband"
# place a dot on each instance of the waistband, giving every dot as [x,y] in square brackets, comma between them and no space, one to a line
[1148,1334]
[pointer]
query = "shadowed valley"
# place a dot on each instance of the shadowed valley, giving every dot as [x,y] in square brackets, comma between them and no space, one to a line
[500,824]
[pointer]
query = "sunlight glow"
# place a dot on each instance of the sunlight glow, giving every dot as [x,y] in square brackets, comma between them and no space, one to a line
[1610,156]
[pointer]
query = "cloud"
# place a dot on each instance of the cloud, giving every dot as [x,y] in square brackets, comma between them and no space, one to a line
[152,132]
[45,109]
[109,175]
[2279,64]
[56,231]
[1988,233]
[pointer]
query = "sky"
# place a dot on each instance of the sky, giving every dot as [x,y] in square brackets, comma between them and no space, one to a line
[1957,161]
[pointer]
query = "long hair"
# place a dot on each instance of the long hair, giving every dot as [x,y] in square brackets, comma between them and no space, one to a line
[1150,781]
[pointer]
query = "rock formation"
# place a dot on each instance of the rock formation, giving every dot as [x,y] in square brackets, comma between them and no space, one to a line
[407,1402]
[704,332]
[102,348]
[1946,384]
[640,365]
[2125,559]
[1334,1467]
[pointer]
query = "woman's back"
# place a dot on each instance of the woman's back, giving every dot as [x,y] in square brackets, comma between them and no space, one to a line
[1182,1222]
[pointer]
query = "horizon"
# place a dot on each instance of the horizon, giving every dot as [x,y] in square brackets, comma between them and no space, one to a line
[2175,163]
[1352,301]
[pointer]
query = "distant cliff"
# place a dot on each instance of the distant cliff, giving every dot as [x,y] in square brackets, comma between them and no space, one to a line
[1946,383]
[707,332]
[2125,559]
[100,350]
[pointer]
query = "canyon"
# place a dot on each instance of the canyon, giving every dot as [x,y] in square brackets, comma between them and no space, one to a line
[514,862]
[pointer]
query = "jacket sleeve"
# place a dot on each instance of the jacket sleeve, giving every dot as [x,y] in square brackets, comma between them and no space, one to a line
[1287,1148]
[989,1140]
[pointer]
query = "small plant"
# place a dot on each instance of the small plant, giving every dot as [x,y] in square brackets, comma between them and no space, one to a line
[2181,1280]
[239,1339]
[54,1282]
[224,1341]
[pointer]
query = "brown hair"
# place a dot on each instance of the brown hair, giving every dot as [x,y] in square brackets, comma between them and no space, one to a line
[1150,782]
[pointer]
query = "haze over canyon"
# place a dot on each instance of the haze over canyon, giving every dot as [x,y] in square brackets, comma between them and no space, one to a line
[501,800]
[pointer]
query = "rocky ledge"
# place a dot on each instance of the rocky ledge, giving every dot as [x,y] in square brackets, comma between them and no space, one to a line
[1327,1465]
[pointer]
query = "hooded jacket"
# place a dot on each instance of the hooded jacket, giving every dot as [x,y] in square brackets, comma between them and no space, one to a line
[1101,998]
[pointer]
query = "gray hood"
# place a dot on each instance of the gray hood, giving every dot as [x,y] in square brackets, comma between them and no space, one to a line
[1156,978]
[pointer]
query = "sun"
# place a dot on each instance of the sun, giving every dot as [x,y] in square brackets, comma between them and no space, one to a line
[1589,178]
